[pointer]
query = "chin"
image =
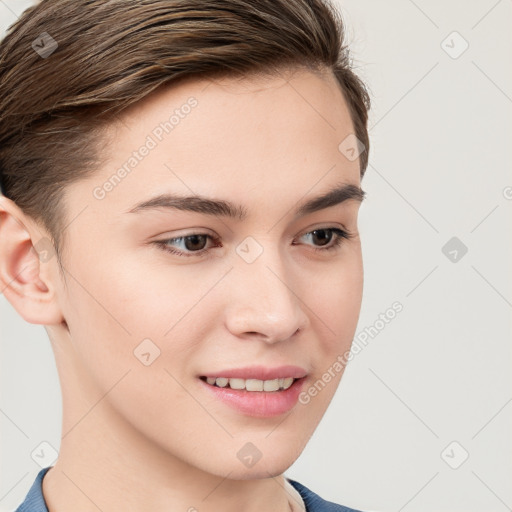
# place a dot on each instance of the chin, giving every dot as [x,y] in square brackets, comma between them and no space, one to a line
[269,460]
[261,469]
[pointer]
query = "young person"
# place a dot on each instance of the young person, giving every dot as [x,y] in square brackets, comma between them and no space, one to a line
[181,184]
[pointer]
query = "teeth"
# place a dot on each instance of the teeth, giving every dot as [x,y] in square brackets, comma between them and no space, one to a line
[221,382]
[251,384]
[287,382]
[236,383]
[254,385]
[271,385]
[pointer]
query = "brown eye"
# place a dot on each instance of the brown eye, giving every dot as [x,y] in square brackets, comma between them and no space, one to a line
[195,242]
[326,239]
[323,236]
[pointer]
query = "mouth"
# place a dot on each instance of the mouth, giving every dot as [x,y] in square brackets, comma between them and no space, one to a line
[256,391]
[251,385]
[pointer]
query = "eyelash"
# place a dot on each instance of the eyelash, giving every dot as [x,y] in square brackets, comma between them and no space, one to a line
[335,243]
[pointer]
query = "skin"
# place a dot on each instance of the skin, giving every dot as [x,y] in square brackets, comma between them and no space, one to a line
[134,437]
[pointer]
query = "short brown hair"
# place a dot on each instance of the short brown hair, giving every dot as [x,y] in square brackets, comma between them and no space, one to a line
[111,54]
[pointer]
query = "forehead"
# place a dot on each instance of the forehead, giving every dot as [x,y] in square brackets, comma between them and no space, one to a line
[248,137]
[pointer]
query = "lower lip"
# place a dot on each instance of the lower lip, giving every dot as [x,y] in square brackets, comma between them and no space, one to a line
[262,404]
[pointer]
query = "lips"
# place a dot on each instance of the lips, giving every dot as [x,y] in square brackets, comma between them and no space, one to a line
[257,390]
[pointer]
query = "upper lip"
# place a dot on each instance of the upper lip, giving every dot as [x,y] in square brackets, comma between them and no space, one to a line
[260,372]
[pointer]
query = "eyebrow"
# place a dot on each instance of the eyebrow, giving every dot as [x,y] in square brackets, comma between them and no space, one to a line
[223,208]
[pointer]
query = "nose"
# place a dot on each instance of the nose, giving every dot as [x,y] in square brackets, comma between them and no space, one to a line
[264,301]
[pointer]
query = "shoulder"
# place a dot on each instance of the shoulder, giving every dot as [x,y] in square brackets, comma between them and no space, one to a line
[34,500]
[314,503]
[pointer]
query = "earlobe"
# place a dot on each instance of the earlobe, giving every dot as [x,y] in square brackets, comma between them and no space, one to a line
[24,274]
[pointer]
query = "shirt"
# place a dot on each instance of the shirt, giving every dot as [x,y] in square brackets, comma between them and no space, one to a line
[34,500]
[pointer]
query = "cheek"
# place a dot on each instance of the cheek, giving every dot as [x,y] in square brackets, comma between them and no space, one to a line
[155,297]
[345,303]
[336,299]
[153,400]
[118,331]
[142,299]
[337,303]
[119,312]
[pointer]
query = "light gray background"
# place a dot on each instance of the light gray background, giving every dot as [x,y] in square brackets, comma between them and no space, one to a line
[439,372]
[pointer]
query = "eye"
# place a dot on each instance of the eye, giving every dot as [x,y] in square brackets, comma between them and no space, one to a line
[194,244]
[327,235]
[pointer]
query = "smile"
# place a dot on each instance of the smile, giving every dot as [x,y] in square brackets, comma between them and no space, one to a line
[273,385]
[257,391]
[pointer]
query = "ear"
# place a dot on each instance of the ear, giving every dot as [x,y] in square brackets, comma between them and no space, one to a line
[27,267]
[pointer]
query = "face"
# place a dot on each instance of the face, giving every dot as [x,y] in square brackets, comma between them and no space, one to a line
[166,299]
